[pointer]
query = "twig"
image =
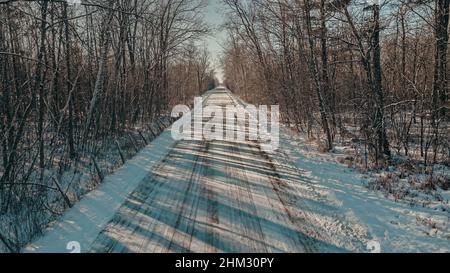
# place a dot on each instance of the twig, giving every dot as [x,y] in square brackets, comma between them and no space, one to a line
[120,152]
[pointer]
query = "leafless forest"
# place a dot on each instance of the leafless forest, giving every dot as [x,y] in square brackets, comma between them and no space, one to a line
[84,87]
[369,73]
[79,82]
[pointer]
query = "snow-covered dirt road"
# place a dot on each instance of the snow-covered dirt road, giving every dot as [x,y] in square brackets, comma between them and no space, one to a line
[231,196]
[200,196]
[206,197]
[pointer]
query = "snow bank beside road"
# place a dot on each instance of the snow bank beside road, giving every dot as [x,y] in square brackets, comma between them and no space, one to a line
[398,227]
[85,220]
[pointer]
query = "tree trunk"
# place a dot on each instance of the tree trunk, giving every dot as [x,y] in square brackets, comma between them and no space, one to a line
[40,78]
[440,88]
[379,122]
[101,74]
[315,75]
[69,86]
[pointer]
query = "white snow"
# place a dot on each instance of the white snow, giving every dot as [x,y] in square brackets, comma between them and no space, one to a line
[397,226]
[86,220]
[336,206]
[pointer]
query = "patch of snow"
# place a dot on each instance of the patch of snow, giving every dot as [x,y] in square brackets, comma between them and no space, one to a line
[397,226]
[85,220]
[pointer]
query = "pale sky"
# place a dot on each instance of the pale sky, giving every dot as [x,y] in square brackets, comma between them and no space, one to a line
[215,17]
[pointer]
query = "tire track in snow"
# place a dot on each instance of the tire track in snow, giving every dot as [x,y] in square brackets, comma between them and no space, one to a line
[207,196]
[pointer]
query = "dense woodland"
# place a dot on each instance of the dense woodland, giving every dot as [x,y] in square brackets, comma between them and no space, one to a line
[370,73]
[85,86]
[76,79]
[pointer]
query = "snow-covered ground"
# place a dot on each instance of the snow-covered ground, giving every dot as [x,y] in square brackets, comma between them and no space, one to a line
[82,224]
[76,178]
[398,226]
[233,197]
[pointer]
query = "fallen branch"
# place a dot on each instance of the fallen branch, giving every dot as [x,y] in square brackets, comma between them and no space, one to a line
[143,138]
[63,194]
[120,152]
[97,168]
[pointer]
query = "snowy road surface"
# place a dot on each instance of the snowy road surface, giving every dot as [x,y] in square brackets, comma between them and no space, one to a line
[202,196]
[206,197]
[218,196]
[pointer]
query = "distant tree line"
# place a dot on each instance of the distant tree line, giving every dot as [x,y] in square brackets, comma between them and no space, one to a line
[72,74]
[371,72]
